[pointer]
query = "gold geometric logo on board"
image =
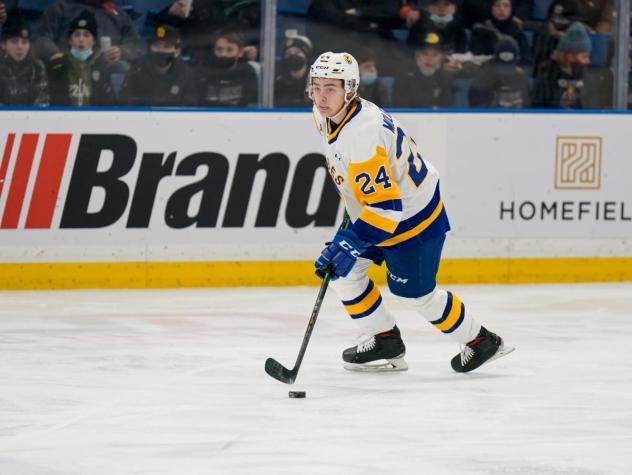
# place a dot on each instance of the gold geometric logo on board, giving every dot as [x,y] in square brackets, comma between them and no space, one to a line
[578,163]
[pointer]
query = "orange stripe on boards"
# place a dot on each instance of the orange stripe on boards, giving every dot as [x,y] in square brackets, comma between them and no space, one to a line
[19,181]
[51,170]
[8,148]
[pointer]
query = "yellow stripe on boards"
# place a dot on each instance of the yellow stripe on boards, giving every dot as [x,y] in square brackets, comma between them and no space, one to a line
[139,275]
[453,316]
[365,304]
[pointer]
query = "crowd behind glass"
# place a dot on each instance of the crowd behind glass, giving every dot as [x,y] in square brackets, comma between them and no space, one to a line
[436,54]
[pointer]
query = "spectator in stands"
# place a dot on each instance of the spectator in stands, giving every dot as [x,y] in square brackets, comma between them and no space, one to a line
[560,81]
[114,25]
[523,12]
[411,11]
[560,15]
[442,16]
[429,83]
[475,11]
[5,7]
[81,77]
[596,15]
[22,76]
[349,25]
[225,78]
[195,23]
[501,83]
[160,78]
[205,17]
[485,35]
[371,87]
[291,80]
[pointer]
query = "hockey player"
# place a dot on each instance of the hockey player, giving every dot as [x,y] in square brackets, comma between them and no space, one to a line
[392,196]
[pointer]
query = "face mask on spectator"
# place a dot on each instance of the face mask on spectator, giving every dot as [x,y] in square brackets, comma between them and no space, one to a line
[368,78]
[295,62]
[161,59]
[224,62]
[428,70]
[441,20]
[81,55]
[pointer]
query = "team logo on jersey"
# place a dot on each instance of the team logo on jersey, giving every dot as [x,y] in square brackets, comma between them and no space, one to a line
[335,176]
[578,163]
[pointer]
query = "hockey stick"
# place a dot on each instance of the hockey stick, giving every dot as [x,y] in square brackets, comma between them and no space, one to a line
[276,369]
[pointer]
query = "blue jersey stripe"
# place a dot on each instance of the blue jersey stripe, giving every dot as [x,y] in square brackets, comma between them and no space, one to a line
[413,221]
[446,311]
[389,205]
[361,296]
[369,233]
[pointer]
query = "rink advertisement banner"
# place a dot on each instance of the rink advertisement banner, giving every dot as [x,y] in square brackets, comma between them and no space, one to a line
[167,186]
[244,198]
[174,185]
[537,176]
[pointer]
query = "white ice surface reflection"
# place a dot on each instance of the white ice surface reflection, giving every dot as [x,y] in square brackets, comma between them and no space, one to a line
[172,382]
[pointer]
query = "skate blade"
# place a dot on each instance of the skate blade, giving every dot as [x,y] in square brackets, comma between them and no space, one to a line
[378,366]
[502,351]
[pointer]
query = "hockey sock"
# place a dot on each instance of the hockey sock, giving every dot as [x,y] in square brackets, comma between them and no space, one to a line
[447,313]
[363,302]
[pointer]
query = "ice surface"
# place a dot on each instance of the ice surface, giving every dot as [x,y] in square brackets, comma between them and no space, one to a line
[172,382]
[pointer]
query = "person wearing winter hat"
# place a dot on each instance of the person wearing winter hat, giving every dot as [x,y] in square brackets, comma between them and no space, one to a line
[123,42]
[23,79]
[427,83]
[501,82]
[560,81]
[291,80]
[160,78]
[81,77]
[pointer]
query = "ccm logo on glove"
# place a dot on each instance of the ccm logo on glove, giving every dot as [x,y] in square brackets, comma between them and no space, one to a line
[341,254]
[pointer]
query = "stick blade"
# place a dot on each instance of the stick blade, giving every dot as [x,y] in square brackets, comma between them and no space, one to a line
[279,372]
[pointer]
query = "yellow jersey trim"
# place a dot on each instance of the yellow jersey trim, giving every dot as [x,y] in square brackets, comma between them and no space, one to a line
[416,230]
[334,134]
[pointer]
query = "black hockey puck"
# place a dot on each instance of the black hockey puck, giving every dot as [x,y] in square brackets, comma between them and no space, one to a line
[297,394]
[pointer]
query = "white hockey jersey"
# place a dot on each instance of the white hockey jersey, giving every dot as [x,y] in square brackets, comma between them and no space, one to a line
[390,192]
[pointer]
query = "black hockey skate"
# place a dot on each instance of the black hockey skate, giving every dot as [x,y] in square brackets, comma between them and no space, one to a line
[486,347]
[382,352]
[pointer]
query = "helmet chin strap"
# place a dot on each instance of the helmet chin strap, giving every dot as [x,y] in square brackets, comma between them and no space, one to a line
[343,109]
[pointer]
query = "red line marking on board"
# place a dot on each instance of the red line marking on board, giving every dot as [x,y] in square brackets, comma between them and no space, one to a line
[48,181]
[20,179]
